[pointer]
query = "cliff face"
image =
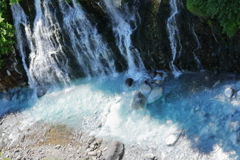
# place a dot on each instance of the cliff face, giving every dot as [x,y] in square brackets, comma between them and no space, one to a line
[201,43]
[199,38]
[12,73]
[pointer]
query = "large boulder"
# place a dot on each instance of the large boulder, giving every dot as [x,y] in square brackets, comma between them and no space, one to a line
[114,151]
[155,94]
[139,100]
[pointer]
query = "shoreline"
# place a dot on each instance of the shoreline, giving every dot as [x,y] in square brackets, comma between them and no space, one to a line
[54,141]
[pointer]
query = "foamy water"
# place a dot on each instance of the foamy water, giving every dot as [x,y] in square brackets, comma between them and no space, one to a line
[207,120]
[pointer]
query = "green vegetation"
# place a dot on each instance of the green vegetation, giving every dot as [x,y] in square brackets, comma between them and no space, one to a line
[6,29]
[225,11]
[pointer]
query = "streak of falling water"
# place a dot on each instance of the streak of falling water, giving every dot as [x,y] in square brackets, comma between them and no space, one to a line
[198,47]
[174,38]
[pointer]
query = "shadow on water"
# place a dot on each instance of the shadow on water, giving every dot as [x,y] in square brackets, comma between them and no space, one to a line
[15,100]
[198,105]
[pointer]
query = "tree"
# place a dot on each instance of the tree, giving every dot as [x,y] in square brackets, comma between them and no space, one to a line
[227,12]
[6,30]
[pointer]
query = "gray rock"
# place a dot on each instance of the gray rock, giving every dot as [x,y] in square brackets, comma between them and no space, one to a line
[128,82]
[41,91]
[155,94]
[229,92]
[114,151]
[149,156]
[139,100]
[91,140]
[92,153]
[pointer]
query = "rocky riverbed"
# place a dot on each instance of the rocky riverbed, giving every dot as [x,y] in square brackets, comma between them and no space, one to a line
[55,141]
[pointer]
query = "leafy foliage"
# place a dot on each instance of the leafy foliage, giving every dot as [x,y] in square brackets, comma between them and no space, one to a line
[227,12]
[6,29]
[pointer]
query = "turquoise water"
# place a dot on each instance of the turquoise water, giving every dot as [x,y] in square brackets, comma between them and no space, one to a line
[192,103]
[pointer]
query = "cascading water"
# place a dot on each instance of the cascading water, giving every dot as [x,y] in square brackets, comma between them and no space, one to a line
[49,60]
[121,19]
[88,46]
[20,20]
[174,36]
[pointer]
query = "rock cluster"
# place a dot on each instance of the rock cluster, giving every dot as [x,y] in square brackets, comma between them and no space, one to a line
[149,90]
[232,93]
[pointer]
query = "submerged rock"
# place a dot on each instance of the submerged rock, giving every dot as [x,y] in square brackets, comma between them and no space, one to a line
[139,100]
[237,95]
[7,97]
[229,92]
[114,151]
[155,94]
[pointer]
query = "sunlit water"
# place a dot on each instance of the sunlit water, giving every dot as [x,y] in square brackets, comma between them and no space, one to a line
[209,121]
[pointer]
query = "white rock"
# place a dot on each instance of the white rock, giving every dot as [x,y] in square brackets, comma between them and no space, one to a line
[173,138]
[228,92]
[145,89]
[92,153]
[155,94]
[57,147]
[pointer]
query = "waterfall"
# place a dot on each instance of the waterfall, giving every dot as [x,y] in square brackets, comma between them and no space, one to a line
[51,45]
[88,46]
[174,36]
[121,19]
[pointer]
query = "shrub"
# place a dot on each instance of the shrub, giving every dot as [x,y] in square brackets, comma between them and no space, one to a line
[225,11]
